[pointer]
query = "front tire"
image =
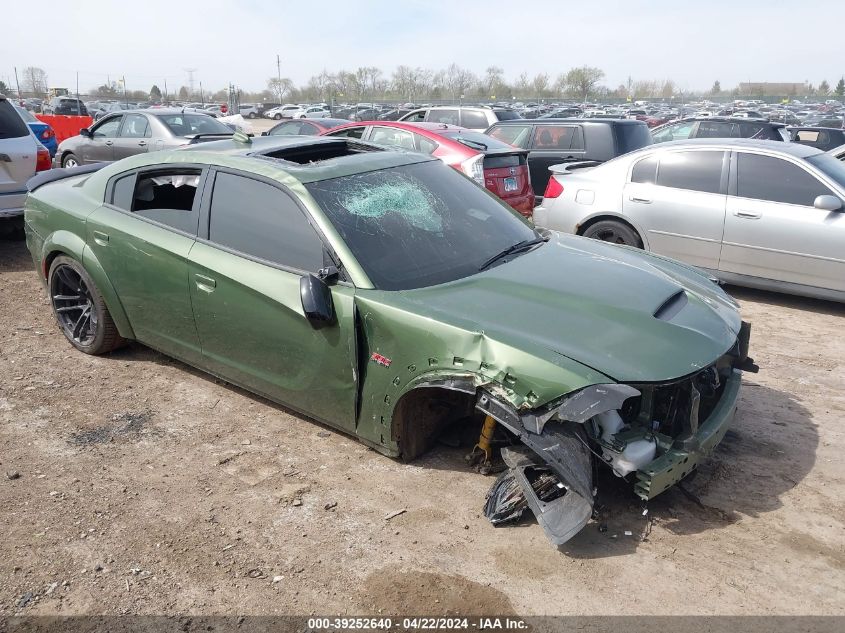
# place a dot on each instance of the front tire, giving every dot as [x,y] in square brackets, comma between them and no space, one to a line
[79,308]
[277,116]
[614,232]
[70,160]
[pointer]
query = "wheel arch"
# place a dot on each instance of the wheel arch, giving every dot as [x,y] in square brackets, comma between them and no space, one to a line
[71,245]
[582,226]
[428,405]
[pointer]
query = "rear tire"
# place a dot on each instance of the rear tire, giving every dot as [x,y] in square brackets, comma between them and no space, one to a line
[251,115]
[79,308]
[614,232]
[70,160]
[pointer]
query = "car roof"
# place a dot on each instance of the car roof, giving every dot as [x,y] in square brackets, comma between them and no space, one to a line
[795,149]
[409,125]
[571,120]
[730,119]
[253,155]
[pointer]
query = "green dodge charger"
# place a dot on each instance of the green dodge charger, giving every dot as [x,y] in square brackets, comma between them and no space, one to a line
[387,295]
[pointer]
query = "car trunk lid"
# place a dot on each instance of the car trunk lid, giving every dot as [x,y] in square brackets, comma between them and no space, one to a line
[506,173]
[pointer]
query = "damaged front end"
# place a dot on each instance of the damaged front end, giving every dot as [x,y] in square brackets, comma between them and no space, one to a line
[652,434]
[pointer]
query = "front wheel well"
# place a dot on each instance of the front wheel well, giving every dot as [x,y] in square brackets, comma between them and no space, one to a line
[423,413]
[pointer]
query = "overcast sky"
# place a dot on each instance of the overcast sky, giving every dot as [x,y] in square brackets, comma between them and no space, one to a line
[151,41]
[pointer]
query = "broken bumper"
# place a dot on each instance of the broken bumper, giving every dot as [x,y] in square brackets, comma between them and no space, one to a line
[675,463]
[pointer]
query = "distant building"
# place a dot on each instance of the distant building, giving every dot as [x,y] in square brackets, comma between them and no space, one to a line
[764,88]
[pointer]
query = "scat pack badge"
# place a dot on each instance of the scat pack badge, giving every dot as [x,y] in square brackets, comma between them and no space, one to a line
[380,360]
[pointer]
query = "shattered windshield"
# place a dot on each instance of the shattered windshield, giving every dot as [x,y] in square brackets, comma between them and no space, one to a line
[418,225]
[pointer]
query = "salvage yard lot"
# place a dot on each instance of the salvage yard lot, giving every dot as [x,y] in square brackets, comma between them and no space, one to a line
[134,484]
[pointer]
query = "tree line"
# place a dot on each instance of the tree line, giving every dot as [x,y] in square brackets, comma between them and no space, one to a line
[416,84]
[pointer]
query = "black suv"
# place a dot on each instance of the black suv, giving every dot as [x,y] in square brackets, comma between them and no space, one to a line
[65,105]
[555,141]
[720,127]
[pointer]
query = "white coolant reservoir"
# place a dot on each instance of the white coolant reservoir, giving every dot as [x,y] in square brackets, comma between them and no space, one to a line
[636,454]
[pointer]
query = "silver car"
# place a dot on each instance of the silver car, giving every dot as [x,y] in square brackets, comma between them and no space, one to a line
[119,135]
[762,214]
[20,155]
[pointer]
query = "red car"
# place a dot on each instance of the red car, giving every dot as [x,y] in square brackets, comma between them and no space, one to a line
[306,127]
[500,167]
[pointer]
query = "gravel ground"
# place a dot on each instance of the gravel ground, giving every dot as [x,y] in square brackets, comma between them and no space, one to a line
[134,484]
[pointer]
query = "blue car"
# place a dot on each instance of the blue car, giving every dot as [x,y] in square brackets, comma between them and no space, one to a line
[43,132]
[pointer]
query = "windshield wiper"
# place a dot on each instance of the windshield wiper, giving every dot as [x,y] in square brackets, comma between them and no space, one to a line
[510,250]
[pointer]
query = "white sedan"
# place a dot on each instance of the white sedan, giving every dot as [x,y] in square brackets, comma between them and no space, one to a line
[762,214]
[298,112]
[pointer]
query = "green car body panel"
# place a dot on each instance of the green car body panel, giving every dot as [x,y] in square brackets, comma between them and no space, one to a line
[567,315]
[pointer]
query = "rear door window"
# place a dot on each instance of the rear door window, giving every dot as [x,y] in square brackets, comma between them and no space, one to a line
[448,116]
[714,129]
[474,119]
[553,137]
[645,171]
[426,146]
[167,196]
[516,135]
[260,220]
[135,126]
[393,137]
[415,117]
[695,171]
[774,179]
[11,124]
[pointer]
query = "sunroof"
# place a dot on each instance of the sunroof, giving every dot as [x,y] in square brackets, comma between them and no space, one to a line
[318,152]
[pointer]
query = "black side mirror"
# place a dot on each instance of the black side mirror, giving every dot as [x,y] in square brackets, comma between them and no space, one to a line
[85,132]
[316,301]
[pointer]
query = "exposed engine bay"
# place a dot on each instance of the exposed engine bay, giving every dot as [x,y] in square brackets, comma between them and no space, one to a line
[652,435]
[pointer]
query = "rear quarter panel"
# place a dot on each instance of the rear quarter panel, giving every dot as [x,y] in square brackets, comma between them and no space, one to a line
[55,216]
[593,193]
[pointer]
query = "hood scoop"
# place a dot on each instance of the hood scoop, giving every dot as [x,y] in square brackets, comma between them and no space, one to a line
[672,306]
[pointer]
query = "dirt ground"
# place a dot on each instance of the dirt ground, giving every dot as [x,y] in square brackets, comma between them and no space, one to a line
[133,484]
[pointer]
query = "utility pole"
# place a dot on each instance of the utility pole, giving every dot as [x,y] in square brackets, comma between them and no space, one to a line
[202,99]
[279,74]
[125,98]
[17,83]
[165,91]
[77,93]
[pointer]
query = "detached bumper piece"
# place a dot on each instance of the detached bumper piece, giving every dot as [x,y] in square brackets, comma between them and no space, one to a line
[557,488]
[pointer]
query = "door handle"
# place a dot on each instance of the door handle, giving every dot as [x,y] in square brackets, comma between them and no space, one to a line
[640,200]
[748,215]
[109,142]
[142,143]
[101,238]
[206,284]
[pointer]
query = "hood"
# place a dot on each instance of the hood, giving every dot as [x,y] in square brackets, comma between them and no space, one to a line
[627,314]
